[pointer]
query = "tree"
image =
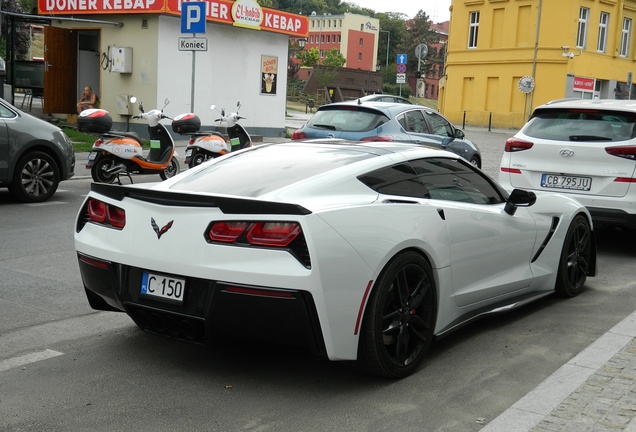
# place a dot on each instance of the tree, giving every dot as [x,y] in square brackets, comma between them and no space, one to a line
[309,57]
[419,31]
[394,24]
[21,43]
[334,58]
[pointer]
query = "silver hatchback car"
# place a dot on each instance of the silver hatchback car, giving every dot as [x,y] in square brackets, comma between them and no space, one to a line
[585,149]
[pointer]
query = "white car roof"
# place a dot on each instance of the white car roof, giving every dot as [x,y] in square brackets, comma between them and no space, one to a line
[604,104]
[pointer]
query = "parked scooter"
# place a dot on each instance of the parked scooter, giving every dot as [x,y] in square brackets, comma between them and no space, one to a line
[116,152]
[208,145]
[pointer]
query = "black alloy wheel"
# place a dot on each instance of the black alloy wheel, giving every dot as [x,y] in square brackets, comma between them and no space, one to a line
[36,178]
[99,170]
[575,258]
[171,170]
[399,321]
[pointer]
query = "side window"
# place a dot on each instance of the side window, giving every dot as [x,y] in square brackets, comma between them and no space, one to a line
[401,119]
[415,122]
[456,180]
[399,180]
[439,125]
[6,112]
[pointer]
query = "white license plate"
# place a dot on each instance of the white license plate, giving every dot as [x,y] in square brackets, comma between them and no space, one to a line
[566,182]
[166,287]
[189,152]
[92,156]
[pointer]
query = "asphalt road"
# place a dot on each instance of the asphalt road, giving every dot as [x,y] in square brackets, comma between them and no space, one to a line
[65,367]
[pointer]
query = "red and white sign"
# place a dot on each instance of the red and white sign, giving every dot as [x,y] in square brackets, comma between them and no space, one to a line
[584,84]
[244,13]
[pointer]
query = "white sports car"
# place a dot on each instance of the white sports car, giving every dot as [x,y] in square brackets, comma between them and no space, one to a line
[361,251]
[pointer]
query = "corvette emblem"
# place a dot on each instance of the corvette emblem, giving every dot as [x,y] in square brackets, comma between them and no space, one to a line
[566,152]
[160,231]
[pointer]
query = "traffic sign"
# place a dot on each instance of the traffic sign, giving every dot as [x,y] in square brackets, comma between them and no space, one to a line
[193,17]
[401,68]
[401,59]
[193,44]
[400,78]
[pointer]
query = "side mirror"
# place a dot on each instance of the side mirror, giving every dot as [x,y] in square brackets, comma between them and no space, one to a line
[459,134]
[519,198]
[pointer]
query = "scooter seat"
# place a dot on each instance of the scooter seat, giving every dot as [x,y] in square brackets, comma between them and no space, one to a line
[133,135]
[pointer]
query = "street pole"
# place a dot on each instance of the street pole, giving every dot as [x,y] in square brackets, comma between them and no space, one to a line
[388,44]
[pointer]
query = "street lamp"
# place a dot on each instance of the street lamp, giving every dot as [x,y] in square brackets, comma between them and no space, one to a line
[301,43]
[388,42]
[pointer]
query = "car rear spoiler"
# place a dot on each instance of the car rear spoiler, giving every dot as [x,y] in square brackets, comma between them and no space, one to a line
[228,205]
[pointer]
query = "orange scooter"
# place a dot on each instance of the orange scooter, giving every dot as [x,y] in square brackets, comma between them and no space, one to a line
[116,152]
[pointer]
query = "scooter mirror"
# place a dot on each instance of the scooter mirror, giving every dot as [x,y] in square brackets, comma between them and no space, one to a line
[238,105]
[212,106]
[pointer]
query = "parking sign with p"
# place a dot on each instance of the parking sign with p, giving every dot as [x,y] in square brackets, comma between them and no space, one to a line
[193,17]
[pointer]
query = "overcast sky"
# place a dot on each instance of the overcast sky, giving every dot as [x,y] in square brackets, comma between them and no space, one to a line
[436,9]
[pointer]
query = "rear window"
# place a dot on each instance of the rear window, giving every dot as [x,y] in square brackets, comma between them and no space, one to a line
[347,119]
[581,125]
[268,168]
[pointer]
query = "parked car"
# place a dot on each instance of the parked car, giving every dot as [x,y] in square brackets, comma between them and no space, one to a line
[384,121]
[34,155]
[585,149]
[361,251]
[384,98]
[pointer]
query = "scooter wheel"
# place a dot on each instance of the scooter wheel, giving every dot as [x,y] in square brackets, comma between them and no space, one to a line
[100,168]
[171,170]
[197,159]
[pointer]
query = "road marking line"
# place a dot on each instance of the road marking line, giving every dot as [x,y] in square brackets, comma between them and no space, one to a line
[28,358]
[47,203]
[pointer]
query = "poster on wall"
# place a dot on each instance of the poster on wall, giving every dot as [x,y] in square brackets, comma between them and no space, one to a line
[269,74]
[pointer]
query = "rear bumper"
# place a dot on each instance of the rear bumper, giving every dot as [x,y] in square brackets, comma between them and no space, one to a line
[211,310]
[614,217]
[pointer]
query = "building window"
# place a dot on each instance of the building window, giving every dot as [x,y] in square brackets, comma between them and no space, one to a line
[328,38]
[311,39]
[361,42]
[473,30]
[322,38]
[581,38]
[359,56]
[340,22]
[603,24]
[339,38]
[626,34]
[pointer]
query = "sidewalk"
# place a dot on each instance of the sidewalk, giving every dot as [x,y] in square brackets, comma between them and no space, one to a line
[593,392]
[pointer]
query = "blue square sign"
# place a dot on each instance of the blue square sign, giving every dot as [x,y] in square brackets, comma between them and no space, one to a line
[193,17]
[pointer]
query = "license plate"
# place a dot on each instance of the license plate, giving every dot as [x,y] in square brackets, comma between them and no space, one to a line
[566,182]
[166,287]
[189,152]
[92,156]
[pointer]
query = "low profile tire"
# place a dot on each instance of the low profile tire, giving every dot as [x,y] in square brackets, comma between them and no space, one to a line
[171,170]
[399,320]
[36,178]
[575,258]
[100,168]
[197,159]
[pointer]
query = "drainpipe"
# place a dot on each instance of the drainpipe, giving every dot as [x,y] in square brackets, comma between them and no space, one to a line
[536,51]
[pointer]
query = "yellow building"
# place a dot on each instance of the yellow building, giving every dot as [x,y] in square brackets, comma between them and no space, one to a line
[505,57]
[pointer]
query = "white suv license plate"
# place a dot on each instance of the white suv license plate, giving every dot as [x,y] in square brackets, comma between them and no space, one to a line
[165,287]
[566,182]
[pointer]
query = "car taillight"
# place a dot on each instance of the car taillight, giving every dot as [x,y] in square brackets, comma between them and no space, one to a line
[627,152]
[511,170]
[227,232]
[272,234]
[515,144]
[298,135]
[106,214]
[378,138]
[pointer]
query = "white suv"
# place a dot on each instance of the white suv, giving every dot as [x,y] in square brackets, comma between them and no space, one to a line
[582,148]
